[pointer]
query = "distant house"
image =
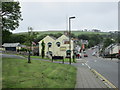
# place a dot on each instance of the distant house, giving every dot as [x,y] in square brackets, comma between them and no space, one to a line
[57,47]
[112,49]
[11,46]
[84,41]
[95,30]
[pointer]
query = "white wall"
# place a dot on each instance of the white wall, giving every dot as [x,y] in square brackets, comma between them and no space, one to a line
[54,48]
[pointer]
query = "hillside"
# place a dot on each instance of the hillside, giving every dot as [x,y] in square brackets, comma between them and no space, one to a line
[74,32]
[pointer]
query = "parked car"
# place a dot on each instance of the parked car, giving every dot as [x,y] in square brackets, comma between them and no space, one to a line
[85,55]
[84,52]
[118,56]
[92,48]
[78,55]
[93,54]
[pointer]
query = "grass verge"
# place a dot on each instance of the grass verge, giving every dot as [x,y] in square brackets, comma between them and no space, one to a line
[17,73]
[65,59]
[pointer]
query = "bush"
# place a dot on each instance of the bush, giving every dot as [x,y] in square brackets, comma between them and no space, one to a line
[23,49]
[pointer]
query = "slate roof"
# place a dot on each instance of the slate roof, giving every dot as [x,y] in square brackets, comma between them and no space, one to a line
[53,37]
[11,44]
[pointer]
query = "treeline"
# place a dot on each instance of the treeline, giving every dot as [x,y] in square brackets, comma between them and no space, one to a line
[8,37]
[93,39]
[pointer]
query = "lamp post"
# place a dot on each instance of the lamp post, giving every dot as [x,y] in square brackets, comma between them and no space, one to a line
[112,48]
[70,37]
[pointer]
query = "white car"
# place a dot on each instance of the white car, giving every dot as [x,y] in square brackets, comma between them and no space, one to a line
[93,54]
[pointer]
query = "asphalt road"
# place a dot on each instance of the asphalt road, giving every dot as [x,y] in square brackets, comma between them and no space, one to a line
[106,67]
[11,56]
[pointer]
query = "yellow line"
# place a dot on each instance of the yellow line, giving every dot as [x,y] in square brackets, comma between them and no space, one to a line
[112,86]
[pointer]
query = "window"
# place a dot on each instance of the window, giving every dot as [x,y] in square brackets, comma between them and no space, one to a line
[49,44]
[49,53]
[68,52]
[58,44]
[66,41]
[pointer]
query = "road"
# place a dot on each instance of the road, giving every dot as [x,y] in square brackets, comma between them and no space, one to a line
[11,56]
[106,67]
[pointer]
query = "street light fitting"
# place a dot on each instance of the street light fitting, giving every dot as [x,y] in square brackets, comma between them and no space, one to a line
[71,17]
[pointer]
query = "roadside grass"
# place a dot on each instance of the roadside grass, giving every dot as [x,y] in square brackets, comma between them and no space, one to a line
[40,57]
[65,59]
[45,58]
[17,73]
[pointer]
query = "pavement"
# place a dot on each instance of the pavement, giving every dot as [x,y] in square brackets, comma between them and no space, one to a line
[85,77]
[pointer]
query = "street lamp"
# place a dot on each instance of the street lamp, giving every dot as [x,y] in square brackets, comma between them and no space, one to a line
[70,37]
[112,48]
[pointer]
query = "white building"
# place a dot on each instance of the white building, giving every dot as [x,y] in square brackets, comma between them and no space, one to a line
[58,47]
[112,49]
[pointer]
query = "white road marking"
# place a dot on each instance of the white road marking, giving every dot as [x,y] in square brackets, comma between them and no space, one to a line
[107,85]
[88,66]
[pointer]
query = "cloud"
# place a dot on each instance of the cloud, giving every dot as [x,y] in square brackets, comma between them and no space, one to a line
[54,15]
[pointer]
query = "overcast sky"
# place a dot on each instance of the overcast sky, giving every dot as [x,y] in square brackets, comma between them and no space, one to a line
[46,16]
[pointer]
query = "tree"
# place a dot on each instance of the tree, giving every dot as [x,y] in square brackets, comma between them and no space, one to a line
[72,35]
[107,42]
[43,49]
[83,36]
[11,16]
[15,38]
[40,37]
[30,37]
[57,35]
[6,36]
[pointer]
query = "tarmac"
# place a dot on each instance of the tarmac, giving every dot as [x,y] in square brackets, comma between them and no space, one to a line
[85,77]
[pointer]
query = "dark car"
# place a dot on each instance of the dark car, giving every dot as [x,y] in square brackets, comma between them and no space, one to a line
[79,55]
[85,55]
[118,56]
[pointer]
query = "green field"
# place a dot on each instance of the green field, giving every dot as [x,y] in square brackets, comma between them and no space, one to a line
[17,73]
[75,32]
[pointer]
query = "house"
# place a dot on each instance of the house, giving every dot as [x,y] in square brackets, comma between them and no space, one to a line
[95,30]
[112,49]
[57,47]
[11,46]
[84,41]
[47,40]
[115,49]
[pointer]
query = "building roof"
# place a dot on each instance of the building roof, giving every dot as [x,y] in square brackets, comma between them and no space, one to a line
[11,44]
[111,46]
[53,37]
